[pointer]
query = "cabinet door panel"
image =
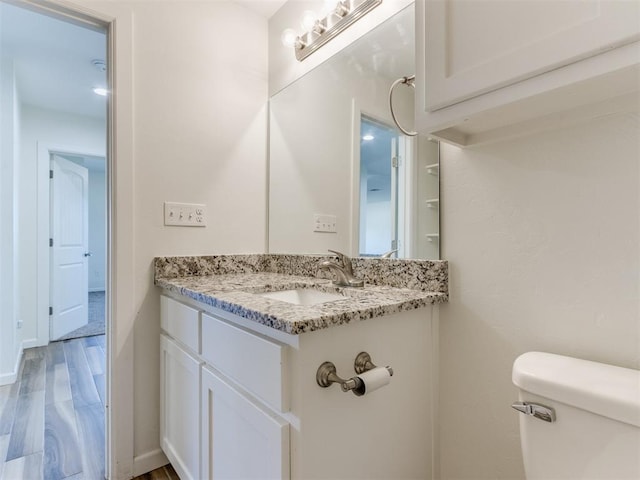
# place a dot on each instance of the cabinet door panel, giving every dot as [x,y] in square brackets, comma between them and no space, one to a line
[180,408]
[240,438]
[473,47]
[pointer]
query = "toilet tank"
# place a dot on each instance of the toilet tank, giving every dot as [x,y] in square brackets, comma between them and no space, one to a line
[596,431]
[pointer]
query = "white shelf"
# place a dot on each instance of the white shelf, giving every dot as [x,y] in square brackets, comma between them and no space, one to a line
[433,168]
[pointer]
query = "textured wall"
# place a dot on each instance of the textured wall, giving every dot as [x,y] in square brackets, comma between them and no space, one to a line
[541,235]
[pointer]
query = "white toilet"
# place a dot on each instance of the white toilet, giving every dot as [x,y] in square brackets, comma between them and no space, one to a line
[580,419]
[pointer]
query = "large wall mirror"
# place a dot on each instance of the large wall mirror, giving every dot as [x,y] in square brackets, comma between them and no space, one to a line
[341,175]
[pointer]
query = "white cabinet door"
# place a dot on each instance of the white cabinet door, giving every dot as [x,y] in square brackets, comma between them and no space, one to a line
[241,439]
[475,46]
[180,408]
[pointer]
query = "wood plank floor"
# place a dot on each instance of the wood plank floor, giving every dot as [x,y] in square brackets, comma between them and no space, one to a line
[52,418]
[163,473]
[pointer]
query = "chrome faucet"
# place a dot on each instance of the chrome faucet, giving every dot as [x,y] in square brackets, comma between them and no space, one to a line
[343,271]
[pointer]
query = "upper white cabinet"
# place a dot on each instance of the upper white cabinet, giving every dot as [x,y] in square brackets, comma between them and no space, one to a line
[476,59]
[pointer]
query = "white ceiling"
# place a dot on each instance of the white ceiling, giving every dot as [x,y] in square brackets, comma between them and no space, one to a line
[264,8]
[52,61]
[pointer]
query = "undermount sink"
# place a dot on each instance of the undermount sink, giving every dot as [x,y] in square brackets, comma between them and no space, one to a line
[303,296]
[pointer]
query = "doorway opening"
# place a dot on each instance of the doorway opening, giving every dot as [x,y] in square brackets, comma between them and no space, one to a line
[380,169]
[53,362]
[78,254]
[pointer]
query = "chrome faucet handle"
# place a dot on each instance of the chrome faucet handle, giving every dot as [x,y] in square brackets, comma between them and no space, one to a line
[344,261]
[389,253]
[342,279]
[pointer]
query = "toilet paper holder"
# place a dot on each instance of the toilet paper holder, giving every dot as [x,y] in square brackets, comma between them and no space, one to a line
[327,375]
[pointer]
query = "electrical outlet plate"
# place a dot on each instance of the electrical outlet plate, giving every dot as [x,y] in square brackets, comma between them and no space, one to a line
[185,214]
[324,223]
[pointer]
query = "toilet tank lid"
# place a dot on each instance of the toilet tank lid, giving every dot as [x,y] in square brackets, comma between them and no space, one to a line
[606,390]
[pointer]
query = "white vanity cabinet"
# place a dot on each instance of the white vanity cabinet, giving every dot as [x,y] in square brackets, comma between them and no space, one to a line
[256,411]
[180,386]
[243,397]
[241,438]
[179,407]
[488,69]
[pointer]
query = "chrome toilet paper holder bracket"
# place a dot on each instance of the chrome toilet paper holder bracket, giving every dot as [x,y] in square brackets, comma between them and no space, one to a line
[363,364]
[327,375]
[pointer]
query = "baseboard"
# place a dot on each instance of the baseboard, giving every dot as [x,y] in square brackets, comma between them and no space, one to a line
[32,342]
[149,461]
[9,378]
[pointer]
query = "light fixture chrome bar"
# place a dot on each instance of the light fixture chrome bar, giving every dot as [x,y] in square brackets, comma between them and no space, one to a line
[309,44]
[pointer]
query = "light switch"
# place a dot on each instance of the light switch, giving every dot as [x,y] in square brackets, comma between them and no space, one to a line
[324,223]
[185,214]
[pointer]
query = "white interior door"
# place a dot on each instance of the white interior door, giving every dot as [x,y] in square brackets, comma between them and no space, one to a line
[69,252]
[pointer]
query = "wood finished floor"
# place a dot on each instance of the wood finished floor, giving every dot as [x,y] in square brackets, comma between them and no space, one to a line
[163,473]
[52,418]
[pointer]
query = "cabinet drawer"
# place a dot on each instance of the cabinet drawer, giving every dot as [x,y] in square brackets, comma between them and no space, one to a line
[181,322]
[255,362]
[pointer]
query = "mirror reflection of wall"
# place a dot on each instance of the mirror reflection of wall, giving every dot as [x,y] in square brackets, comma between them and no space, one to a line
[317,126]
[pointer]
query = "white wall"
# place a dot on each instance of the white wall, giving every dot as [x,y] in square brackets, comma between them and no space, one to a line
[97,230]
[45,127]
[542,236]
[378,224]
[10,336]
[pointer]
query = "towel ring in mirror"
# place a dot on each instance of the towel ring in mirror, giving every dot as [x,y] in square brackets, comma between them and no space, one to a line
[406,81]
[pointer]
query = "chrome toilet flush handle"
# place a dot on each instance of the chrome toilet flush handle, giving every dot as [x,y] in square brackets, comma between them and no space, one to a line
[547,414]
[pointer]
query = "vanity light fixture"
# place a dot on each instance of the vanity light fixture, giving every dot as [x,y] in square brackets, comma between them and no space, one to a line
[321,31]
[368,137]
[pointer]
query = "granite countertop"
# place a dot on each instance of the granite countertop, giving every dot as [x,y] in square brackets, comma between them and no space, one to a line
[237,285]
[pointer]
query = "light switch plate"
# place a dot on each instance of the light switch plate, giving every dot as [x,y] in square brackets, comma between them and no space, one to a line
[185,214]
[324,223]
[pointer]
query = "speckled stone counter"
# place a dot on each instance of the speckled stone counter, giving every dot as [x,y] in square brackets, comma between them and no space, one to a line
[233,283]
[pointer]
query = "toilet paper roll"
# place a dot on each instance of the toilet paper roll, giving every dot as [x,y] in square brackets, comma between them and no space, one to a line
[372,380]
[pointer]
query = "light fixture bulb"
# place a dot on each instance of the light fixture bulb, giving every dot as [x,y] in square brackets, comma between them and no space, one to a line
[368,137]
[342,9]
[100,91]
[289,37]
[308,20]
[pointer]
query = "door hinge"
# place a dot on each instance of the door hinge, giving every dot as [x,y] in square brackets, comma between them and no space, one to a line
[50,173]
[50,310]
[51,242]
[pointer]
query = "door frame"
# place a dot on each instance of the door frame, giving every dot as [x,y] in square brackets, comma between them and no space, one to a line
[117,21]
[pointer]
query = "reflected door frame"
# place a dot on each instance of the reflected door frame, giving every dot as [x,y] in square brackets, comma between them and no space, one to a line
[403,186]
